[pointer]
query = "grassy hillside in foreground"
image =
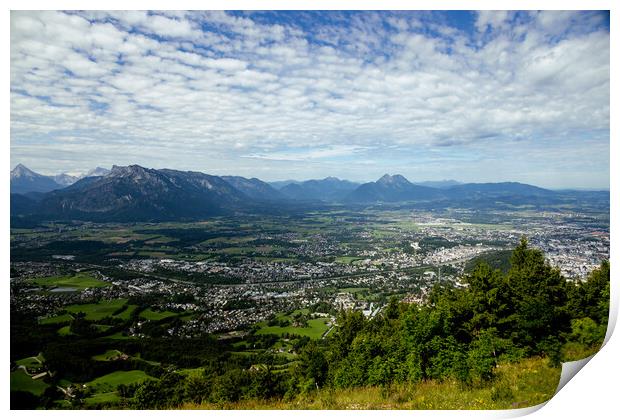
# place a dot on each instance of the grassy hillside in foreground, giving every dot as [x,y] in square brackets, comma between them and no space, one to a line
[516,385]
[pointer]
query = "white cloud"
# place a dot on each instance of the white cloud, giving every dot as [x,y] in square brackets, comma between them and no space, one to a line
[164,26]
[491,18]
[248,90]
[306,155]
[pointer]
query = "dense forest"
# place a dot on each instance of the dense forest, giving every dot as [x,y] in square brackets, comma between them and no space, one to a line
[460,334]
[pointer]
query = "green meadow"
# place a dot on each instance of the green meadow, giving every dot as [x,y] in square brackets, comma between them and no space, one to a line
[79,281]
[315,329]
[103,309]
[21,381]
[109,382]
[152,315]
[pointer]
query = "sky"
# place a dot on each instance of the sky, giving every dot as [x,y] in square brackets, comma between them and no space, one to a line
[472,96]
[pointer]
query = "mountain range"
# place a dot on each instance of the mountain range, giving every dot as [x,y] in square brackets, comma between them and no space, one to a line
[328,189]
[134,193]
[24,180]
[391,188]
[254,188]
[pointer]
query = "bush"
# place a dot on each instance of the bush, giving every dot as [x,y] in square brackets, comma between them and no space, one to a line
[586,331]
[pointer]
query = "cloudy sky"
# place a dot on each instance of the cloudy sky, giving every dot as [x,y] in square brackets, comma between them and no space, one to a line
[490,96]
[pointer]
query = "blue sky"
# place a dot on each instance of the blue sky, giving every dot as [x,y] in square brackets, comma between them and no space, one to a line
[477,97]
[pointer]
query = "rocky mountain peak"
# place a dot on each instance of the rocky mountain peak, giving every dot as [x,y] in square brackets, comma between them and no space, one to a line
[392,179]
[21,171]
[98,171]
[128,171]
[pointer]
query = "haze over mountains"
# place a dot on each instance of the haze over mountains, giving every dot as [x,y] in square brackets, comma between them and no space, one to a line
[328,189]
[24,180]
[135,193]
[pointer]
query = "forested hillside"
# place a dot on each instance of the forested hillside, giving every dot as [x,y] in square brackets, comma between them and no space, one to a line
[460,335]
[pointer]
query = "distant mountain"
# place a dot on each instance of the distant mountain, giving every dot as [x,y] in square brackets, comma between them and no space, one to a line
[392,188]
[65,179]
[497,189]
[254,188]
[23,180]
[134,193]
[279,184]
[329,189]
[97,172]
[446,183]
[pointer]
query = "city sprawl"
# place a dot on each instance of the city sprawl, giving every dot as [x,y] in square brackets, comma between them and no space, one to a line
[232,274]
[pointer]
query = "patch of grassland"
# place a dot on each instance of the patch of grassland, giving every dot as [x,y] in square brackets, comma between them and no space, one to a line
[347,259]
[122,254]
[517,385]
[247,353]
[273,259]
[63,404]
[575,351]
[102,328]
[59,319]
[484,226]
[102,398]
[229,240]
[20,381]
[156,315]
[303,311]
[285,367]
[65,331]
[236,250]
[152,254]
[119,336]
[380,234]
[354,289]
[100,310]
[79,281]
[188,317]
[159,240]
[33,362]
[191,372]
[407,225]
[109,382]
[240,344]
[121,236]
[315,329]
[107,356]
[126,313]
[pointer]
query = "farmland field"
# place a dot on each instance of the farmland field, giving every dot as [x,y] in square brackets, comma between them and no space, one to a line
[108,355]
[20,381]
[315,329]
[105,397]
[156,315]
[78,282]
[59,319]
[120,336]
[33,362]
[103,309]
[347,259]
[109,382]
